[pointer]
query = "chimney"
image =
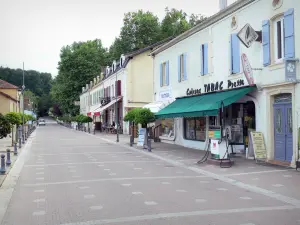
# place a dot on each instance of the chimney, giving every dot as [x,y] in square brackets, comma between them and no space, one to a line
[83,89]
[222,4]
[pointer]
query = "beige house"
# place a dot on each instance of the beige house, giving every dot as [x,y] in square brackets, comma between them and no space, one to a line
[128,81]
[8,97]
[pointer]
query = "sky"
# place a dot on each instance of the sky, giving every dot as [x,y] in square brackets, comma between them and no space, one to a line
[34,31]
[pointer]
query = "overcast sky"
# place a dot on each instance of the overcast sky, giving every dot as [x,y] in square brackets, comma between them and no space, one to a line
[34,31]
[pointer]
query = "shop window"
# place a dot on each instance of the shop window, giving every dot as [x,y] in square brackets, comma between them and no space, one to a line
[195,128]
[167,126]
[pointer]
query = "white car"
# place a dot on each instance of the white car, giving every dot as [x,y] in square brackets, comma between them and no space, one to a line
[42,123]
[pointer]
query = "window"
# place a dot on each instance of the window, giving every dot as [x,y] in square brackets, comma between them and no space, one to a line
[204,59]
[167,126]
[164,74]
[235,54]
[182,67]
[278,39]
[113,90]
[195,128]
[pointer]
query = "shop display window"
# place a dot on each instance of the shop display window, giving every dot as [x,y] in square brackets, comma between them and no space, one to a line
[195,128]
[167,126]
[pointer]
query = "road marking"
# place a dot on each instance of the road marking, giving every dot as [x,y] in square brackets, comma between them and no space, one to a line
[40,173]
[222,189]
[76,176]
[41,168]
[137,193]
[70,167]
[39,191]
[100,165]
[89,196]
[200,200]
[40,178]
[83,187]
[39,200]
[287,176]
[277,185]
[107,169]
[137,168]
[245,198]
[179,215]
[150,203]
[126,185]
[256,178]
[98,207]
[146,173]
[165,182]
[112,174]
[204,181]
[109,179]
[39,213]
[259,172]
[182,191]
[72,171]
[82,163]
[83,153]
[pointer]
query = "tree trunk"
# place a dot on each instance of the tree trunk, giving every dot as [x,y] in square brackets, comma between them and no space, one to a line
[12,135]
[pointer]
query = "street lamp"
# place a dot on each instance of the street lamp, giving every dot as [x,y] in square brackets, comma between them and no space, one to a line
[116,107]
[23,119]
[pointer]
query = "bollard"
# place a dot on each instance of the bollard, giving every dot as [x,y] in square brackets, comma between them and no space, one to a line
[15,149]
[2,168]
[8,162]
[149,145]
[23,139]
[20,142]
[131,140]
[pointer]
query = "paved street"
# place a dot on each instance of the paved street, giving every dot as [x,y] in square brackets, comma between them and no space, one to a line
[74,178]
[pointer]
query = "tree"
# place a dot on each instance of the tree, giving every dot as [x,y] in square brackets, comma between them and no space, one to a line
[4,127]
[140,30]
[14,119]
[195,19]
[79,63]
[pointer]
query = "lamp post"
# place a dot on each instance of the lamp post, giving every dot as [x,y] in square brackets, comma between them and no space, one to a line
[116,107]
[23,119]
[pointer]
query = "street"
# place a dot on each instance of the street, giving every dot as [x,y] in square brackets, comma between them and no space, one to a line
[74,178]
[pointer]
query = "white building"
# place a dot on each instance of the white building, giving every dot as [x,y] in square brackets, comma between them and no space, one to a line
[207,58]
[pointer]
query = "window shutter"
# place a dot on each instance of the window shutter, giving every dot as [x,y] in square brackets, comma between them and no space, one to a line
[201,60]
[266,42]
[167,73]
[184,67]
[119,88]
[116,89]
[161,75]
[289,38]
[235,54]
[205,59]
[179,75]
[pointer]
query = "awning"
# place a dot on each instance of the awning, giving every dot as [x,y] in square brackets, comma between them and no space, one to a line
[96,113]
[157,106]
[202,105]
[112,102]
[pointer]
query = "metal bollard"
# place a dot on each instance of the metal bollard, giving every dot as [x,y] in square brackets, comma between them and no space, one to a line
[15,149]
[20,142]
[2,168]
[8,162]
[23,139]
[149,145]
[131,140]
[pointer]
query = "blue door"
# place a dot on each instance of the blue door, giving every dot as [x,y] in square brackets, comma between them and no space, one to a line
[283,133]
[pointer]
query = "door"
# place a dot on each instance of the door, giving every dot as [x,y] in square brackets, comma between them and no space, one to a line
[283,133]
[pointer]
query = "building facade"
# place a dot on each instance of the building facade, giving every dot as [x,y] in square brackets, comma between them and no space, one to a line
[126,84]
[207,59]
[9,98]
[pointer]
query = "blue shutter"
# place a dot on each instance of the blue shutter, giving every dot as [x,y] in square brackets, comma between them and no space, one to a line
[205,59]
[235,54]
[167,73]
[184,67]
[201,60]
[161,77]
[179,75]
[289,38]
[266,42]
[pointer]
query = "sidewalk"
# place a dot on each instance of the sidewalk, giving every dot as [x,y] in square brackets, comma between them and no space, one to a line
[278,179]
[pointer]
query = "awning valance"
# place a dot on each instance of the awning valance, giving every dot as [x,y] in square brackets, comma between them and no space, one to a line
[112,102]
[202,105]
[157,106]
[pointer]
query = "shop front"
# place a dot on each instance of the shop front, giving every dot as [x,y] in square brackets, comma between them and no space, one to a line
[192,116]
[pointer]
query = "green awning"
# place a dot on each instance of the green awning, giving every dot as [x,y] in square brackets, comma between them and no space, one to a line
[202,105]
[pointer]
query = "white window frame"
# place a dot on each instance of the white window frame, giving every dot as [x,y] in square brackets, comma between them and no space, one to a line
[275,40]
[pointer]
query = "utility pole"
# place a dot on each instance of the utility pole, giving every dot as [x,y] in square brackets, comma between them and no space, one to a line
[116,107]
[23,121]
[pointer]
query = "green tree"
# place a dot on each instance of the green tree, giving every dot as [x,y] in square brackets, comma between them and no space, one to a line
[79,63]
[4,126]
[14,119]
[195,19]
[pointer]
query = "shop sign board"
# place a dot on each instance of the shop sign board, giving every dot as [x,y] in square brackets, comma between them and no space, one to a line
[247,69]
[247,35]
[258,145]
[141,137]
[290,70]
[214,147]
[165,95]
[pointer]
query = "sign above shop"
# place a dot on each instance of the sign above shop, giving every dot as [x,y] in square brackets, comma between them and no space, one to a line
[217,86]
[247,35]
[247,69]
[164,95]
[290,70]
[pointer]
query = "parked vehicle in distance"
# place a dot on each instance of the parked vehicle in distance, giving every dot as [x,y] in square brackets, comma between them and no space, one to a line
[42,123]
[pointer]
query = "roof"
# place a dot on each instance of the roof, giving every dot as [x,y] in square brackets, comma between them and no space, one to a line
[8,96]
[5,85]
[206,23]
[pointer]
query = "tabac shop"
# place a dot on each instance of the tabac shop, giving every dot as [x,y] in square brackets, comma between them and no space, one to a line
[199,109]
